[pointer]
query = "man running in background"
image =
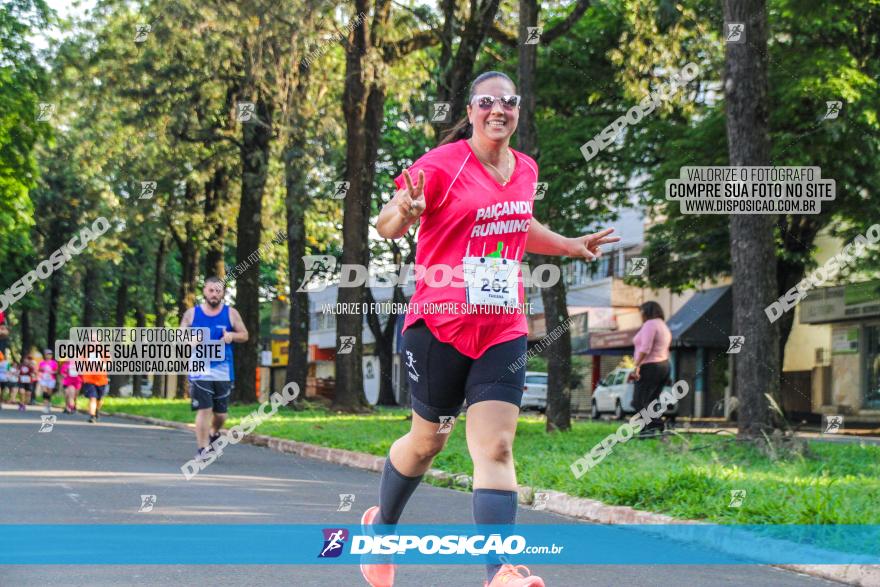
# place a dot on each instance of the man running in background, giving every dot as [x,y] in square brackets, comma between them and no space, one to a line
[95,387]
[210,393]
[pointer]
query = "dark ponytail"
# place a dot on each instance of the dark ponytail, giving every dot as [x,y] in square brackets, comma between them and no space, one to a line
[463,129]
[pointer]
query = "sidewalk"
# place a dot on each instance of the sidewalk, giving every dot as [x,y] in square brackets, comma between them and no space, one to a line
[857,432]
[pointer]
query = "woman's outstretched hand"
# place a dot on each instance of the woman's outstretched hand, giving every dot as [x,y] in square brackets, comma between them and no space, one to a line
[411,199]
[587,246]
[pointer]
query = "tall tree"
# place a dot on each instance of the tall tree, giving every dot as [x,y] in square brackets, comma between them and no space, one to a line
[301,103]
[24,84]
[752,246]
[807,67]
[553,297]
[369,50]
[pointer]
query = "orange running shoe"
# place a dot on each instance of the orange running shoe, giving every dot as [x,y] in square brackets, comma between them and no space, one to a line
[377,575]
[509,576]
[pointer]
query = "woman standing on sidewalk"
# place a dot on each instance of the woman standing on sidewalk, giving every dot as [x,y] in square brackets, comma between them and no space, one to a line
[474,195]
[652,361]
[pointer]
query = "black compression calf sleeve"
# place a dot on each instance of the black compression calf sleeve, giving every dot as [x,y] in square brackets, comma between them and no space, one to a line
[395,490]
[494,506]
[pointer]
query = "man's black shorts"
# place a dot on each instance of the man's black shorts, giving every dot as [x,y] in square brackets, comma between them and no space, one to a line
[210,394]
[92,390]
[441,378]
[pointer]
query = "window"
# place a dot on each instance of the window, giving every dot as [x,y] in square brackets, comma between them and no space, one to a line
[609,379]
[536,380]
[619,377]
[323,321]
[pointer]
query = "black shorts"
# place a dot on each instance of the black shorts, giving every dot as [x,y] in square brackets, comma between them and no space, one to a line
[92,390]
[210,394]
[441,378]
[29,387]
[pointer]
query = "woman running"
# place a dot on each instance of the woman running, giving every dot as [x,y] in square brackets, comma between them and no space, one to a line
[5,364]
[47,377]
[474,195]
[71,382]
[27,373]
[12,378]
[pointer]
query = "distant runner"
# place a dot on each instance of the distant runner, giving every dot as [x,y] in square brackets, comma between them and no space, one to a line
[95,387]
[210,393]
[4,376]
[71,382]
[27,372]
[47,378]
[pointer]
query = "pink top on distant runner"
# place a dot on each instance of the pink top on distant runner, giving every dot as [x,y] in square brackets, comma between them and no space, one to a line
[468,213]
[653,339]
[49,367]
[69,379]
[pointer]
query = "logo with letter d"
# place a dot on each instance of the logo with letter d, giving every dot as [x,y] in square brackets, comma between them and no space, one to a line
[334,540]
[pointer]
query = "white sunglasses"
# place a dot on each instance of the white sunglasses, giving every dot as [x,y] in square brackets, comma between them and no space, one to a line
[487,102]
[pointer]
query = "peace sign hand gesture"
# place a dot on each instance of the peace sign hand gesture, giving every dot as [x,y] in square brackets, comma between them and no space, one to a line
[587,246]
[411,199]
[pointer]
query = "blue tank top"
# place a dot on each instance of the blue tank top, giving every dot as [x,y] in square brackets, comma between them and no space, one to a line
[220,370]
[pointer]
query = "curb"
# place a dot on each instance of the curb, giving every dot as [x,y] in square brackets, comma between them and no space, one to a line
[556,502]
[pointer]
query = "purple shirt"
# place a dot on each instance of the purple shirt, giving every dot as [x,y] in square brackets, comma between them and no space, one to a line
[653,340]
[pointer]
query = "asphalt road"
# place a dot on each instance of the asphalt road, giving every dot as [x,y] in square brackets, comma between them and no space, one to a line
[83,473]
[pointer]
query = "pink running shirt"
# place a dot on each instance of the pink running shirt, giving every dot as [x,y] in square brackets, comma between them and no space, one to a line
[468,213]
[67,378]
[49,367]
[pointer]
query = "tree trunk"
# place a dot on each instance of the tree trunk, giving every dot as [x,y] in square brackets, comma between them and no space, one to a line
[458,73]
[554,297]
[116,381]
[27,340]
[89,290]
[526,132]
[54,296]
[141,321]
[216,194]
[255,153]
[558,354]
[385,345]
[159,304]
[752,245]
[295,202]
[357,100]
[189,260]
[798,235]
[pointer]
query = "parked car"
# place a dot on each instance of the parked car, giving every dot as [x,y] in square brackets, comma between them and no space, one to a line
[535,391]
[614,395]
